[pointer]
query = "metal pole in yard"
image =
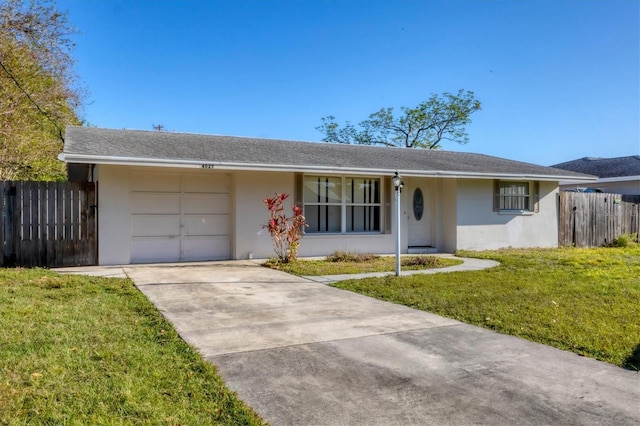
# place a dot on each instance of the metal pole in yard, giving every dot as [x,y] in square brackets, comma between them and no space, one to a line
[397,185]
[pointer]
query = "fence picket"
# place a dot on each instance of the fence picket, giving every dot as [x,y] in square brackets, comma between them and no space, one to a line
[59,225]
[51,222]
[42,224]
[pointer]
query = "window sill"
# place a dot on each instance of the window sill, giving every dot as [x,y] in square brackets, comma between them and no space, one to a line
[516,213]
[344,234]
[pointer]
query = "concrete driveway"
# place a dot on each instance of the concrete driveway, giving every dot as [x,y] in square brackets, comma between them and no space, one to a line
[302,353]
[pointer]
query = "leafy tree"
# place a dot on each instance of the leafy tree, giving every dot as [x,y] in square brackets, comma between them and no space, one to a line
[38,90]
[441,117]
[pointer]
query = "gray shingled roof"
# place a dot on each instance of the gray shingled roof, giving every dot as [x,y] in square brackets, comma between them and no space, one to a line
[604,167]
[94,145]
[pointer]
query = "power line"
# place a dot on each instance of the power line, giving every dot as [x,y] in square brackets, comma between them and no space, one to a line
[47,116]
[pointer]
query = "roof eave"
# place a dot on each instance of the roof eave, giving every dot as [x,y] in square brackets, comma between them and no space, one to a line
[619,179]
[217,165]
[596,180]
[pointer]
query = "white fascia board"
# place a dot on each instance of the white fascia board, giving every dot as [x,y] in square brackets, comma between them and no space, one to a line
[572,181]
[602,180]
[214,165]
[619,179]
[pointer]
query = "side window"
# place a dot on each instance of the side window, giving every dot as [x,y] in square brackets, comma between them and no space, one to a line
[515,196]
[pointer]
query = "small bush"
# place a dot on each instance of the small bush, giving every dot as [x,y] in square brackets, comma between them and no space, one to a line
[427,261]
[345,256]
[625,240]
[277,263]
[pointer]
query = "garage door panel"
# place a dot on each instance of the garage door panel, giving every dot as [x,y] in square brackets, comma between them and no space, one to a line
[205,204]
[206,183]
[155,182]
[180,217]
[206,248]
[155,249]
[206,224]
[142,203]
[155,225]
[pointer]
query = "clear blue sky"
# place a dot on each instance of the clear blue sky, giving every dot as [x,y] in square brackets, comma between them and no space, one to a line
[558,79]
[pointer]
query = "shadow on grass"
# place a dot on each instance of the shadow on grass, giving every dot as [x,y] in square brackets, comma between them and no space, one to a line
[633,361]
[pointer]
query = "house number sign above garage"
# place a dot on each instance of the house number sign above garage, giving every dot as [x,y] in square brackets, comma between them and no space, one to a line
[418,204]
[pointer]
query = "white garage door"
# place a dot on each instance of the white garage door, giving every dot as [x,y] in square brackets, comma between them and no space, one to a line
[180,217]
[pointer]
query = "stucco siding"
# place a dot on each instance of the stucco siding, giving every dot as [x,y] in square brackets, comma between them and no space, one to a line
[626,188]
[447,207]
[250,212]
[481,228]
[322,245]
[114,231]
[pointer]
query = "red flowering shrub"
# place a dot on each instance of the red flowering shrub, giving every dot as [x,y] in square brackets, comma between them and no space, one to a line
[286,232]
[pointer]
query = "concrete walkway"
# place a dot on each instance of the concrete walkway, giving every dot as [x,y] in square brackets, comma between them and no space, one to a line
[468,264]
[303,353]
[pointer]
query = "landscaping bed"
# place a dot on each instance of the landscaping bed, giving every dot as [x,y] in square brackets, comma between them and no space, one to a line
[341,263]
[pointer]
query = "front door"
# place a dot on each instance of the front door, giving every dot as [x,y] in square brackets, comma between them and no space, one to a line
[419,213]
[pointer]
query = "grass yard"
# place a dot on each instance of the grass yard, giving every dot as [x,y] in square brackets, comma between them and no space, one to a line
[89,350]
[582,300]
[352,263]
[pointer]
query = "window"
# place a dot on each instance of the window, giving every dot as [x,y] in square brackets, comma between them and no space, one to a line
[323,203]
[363,205]
[515,196]
[342,204]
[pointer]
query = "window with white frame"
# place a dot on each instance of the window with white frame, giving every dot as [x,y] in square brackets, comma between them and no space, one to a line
[516,196]
[342,204]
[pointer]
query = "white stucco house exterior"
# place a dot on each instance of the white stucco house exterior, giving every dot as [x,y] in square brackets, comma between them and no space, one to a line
[165,197]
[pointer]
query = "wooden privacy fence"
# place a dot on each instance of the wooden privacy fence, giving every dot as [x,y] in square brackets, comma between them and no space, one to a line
[595,219]
[47,224]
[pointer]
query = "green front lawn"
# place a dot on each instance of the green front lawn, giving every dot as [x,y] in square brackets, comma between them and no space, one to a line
[87,350]
[582,300]
[351,263]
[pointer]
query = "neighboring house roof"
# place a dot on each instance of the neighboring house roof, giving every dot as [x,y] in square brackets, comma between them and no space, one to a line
[604,167]
[134,147]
